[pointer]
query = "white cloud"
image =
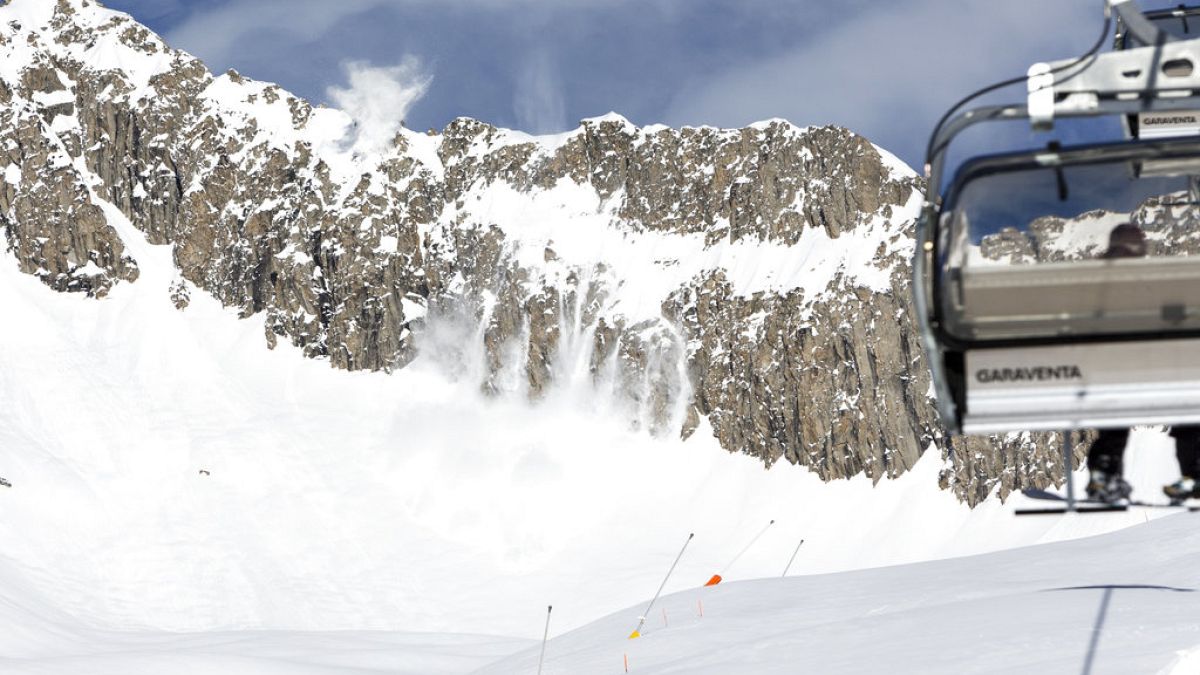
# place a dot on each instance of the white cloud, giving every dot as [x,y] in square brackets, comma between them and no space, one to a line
[378,99]
[215,34]
[891,71]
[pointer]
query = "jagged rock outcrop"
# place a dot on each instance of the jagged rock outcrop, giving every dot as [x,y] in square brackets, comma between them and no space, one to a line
[63,238]
[756,277]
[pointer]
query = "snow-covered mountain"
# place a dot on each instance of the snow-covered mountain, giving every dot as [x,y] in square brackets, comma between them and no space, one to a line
[756,278]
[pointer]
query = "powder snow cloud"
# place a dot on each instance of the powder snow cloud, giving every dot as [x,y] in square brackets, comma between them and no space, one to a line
[378,99]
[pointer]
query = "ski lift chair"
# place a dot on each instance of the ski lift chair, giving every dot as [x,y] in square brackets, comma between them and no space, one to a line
[1028,321]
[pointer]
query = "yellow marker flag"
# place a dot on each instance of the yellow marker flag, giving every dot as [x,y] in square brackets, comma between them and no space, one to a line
[634,634]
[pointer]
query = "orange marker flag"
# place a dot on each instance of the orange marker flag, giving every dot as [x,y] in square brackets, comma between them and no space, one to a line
[716,578]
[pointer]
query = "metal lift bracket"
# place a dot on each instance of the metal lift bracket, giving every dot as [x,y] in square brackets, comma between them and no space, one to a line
[1041,96]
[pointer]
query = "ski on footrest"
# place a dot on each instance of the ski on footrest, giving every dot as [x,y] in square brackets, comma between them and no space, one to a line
[1091,505]
[1080,507]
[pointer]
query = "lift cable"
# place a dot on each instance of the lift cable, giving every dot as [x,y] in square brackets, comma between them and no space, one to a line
[931,151]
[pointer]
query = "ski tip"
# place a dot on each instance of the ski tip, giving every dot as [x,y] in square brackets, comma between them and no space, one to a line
[634,634]
[716,579]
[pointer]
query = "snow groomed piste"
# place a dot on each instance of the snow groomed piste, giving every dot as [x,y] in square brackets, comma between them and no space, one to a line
[1120,603]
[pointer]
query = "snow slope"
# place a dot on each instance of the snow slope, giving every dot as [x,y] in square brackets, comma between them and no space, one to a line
[342,501]
[1127,602]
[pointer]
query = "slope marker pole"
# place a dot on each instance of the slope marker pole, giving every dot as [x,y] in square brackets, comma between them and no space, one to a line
[545,635]
[792,559]
[719,576]
[637,632]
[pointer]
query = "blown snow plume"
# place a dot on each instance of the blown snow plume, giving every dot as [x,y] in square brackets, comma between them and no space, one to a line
[378,100]
[538,100]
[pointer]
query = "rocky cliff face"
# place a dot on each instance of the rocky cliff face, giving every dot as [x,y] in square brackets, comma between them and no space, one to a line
[755,277]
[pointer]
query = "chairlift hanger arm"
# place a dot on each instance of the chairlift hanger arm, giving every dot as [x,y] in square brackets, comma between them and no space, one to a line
[1137,24]
[1042,78]
[1125,82]
[1168,66]
[1144,71]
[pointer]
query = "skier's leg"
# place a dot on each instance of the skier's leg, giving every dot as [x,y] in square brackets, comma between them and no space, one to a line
[1105,465]
[1187,451]
[1107,451]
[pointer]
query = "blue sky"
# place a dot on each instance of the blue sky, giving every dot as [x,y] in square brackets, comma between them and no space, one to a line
[884,68]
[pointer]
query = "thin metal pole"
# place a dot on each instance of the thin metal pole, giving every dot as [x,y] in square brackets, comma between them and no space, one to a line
[545,635]
[793,558]
[747,547]
[642,618]
[1068,466]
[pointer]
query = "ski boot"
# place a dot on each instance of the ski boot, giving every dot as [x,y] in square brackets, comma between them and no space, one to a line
[1182,490]
[1109,488]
